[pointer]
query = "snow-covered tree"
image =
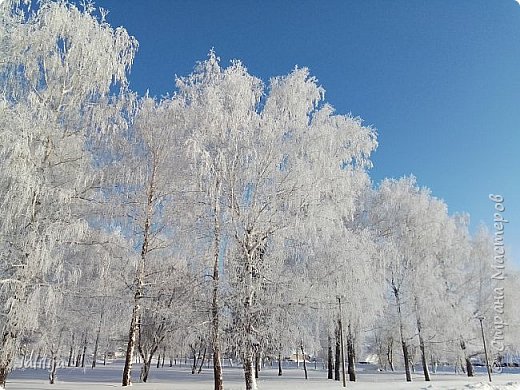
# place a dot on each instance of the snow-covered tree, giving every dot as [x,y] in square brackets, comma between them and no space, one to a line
[268,159]
[145,189]
[408,223]
[169,293]
[53,99]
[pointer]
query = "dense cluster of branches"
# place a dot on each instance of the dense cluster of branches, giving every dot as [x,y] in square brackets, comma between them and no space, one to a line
[225,221]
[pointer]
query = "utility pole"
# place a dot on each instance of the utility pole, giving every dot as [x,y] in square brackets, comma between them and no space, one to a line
[341,344]
[481,318]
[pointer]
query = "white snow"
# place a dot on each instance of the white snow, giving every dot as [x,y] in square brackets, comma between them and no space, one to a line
[180,378]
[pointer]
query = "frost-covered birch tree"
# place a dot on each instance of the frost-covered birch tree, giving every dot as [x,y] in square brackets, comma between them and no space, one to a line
[408,223]
[145,189]
[450,302]
[218,105]
[268,157]
[53,85]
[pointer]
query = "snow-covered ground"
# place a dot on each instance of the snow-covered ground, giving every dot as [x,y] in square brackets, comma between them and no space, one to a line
[180,378]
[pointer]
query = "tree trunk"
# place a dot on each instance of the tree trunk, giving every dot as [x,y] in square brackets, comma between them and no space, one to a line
[460,363]
[406,358]
[411,355]
[279,363]
[202,361]
[78,358]
[4,371]
[218,381]
[433,363]
[423,358]
[249,371]
[145,370]
[23,352]
[96,343]
[147,357]
[422,347]
[304,361]
[132,338]
[351,355]
[158,360]
[257,362]
[404,345]
[38,358]
[71,352]
[248,322]
[52,372]
[390,353]
[84,352]
[139,281]
[330,359]
[248,362]
[12,324]
[30,363]
[194,366]
[54,366]
[337,359]
[378,341]
[469,366]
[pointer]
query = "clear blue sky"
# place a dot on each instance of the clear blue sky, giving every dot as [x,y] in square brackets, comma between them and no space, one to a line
[440,80]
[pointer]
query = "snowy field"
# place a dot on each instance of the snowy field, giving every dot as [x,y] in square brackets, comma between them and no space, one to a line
[180,378]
